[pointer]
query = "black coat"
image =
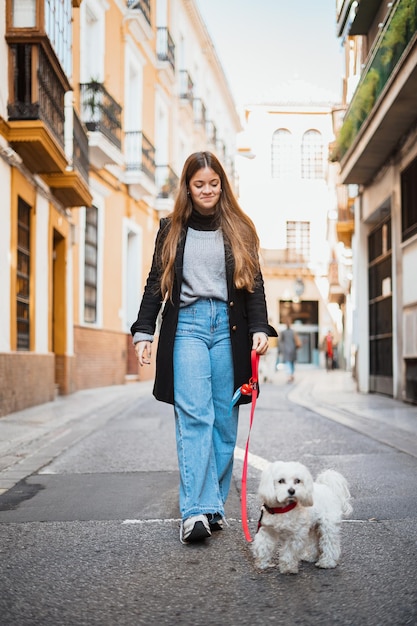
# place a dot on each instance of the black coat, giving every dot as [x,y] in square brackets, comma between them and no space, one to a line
[247,315]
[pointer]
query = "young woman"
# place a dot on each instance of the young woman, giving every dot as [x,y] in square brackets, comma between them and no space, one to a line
[205,274]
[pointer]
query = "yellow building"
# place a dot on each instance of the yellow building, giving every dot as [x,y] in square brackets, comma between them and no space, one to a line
[100,103]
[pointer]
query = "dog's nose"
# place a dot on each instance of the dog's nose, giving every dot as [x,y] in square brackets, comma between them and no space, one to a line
[291,491]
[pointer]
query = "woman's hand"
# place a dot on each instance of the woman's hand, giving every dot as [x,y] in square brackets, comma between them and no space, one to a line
[143,351]
[260,343]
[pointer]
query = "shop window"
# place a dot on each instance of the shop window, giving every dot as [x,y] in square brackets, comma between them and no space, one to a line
[90,265]
[23,276]
[409,201]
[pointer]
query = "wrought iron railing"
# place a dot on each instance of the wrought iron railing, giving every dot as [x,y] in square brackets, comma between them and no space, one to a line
[186,86]
[211,132]
[221,149]
[166,181]
[139,153]
[49,105]
[200,112]
[165,47]
[345,214]
[144,6]
[80,148]
[390,47]
[272,258]
[101,112]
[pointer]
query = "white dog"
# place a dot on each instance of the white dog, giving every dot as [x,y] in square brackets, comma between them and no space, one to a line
[300,517]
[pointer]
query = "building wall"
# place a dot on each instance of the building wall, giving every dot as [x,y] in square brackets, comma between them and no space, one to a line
[67,352]
[374,158]
[27,379]
[271,202]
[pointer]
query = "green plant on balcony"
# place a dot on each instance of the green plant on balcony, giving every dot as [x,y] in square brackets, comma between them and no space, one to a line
[360,108]
[366,97]
[400,30]
[92,96]
[402,27]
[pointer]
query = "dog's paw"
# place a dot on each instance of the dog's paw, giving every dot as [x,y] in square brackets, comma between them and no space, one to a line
[309,556]
[326,563]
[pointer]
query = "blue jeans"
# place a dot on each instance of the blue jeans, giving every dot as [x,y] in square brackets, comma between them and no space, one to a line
[290,367]
[206,425]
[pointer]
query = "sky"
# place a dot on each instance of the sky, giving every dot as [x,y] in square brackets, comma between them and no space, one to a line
[269,48]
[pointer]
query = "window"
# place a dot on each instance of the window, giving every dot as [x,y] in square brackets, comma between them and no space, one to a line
[298,242]
[58,27]
[23,276]
[312,155]
[281,153]
[90,265]
[409,201]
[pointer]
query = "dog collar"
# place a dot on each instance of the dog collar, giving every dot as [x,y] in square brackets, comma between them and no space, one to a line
[276,509]
[280,509]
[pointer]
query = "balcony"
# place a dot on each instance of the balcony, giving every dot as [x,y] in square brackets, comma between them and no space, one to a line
[211,132]
[36,126]
[356,17]
[102,116]
[186,86]
[345,226]
[384,105]
[284,257]
[139,174]
[167,186]
[165,48]
[139,17]
[200,112]
[345,223]
[36,110]
[71,187]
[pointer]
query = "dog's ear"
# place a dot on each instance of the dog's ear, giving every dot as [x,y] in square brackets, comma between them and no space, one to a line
[266,488]
[305,495]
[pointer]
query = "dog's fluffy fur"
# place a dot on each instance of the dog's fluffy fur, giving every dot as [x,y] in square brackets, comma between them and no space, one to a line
[308,532]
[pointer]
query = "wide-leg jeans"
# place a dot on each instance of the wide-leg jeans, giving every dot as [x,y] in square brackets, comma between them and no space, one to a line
[206,423]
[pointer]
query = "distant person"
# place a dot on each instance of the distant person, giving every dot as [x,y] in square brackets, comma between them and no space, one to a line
[329,350]
[206,271]
[288,344]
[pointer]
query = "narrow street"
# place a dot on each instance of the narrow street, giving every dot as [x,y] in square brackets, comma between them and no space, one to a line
[92,536]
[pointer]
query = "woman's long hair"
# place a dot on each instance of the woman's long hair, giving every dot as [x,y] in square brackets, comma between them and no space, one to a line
[237,228]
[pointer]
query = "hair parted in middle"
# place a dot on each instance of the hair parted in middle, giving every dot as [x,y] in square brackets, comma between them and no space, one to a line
[237,228]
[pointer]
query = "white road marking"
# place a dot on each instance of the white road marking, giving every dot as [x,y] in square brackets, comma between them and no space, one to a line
[255,461]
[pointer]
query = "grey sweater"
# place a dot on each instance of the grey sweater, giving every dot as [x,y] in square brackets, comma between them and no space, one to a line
[204,269]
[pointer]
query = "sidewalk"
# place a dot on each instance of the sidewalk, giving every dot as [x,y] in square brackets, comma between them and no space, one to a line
[31,438]
[334,395]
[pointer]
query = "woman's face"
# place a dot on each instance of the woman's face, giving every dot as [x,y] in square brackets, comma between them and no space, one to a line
[205,190]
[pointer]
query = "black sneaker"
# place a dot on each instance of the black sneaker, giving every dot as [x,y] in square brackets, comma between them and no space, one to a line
[216,521]
[194,528]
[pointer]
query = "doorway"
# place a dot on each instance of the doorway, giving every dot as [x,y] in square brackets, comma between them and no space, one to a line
[59,311]
[380,309]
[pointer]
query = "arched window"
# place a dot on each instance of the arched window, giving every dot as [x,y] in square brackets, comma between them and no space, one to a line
[312,155]
[281,153]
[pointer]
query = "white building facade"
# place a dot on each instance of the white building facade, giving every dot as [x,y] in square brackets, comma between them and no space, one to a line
[286,188]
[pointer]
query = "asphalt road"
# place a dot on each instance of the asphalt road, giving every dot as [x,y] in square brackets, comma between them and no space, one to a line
[93,537]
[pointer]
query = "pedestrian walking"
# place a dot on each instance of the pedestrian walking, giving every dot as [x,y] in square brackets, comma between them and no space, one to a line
[289,342]
[206,275]
[329,350]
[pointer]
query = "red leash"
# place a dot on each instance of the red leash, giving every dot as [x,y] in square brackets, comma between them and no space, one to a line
[247,389]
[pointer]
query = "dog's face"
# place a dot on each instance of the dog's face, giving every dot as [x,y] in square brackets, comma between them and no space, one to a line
[283,483]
